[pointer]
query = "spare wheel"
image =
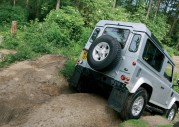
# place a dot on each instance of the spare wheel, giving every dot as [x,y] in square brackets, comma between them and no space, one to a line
[104,53]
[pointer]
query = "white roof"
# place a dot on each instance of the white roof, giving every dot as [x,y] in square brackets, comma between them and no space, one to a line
[135,26]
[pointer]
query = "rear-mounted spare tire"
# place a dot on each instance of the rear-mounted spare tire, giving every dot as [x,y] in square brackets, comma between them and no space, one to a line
[104,53]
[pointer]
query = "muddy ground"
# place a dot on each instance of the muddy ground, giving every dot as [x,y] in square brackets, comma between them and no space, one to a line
[33,94]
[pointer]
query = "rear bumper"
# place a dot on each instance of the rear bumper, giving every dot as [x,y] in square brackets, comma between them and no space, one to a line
[119,92]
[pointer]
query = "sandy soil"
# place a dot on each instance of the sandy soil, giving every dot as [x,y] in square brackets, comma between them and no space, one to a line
[33,94]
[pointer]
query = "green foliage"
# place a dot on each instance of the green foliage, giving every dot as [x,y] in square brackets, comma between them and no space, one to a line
[9,13]
[119,14]
[159,26]
[55,36]
[52,36]
[21,55]
[94,10]
[68,69]
[73,53]
[10,42]
[84,36]
[169,50]
[139,14]
[69,20]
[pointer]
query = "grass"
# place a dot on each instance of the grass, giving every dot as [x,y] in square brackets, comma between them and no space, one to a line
[134,123]
[138,123]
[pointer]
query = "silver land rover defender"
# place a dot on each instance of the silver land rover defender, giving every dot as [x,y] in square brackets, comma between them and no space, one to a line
[129,61]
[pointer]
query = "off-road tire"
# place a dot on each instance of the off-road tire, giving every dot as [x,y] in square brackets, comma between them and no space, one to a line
[127,109]
[113,57]
[174,107]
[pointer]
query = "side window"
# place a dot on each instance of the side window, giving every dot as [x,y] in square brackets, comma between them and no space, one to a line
[153,56]
[135,43]
[94,35]
[168,72]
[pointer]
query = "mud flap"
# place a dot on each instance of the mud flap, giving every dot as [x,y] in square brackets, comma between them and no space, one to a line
[117,99]
[76,76]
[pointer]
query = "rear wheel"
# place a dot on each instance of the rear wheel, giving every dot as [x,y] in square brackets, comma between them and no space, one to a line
[134,105]
[170,114]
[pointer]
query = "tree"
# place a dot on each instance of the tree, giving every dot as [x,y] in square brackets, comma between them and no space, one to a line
[149,8]
[175,17]
[27,3]
[114,3]
[158,6]
[14,2]
[58,5]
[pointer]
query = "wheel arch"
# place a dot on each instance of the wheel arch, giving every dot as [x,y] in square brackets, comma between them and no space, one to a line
[148,88]
[142,82]
[177,103]
[173,101]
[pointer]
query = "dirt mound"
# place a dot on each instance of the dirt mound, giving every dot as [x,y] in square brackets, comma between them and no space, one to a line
[33,94]
[28,84]
[73,110]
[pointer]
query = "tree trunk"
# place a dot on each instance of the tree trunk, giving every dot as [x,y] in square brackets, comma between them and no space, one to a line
[149,8]
[14,28]
[14,3]
[173,25]
[58,5]
[37,9]
[158,6]
[27,3]
[114,3]
[175,20]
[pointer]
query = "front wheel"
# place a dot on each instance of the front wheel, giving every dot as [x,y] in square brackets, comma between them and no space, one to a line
[134,105]
[170,114]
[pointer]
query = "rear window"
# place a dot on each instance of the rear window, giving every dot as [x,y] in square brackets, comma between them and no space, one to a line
[120,34]
[153,56]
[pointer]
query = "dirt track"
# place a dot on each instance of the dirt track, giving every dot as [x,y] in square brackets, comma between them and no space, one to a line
[32,94]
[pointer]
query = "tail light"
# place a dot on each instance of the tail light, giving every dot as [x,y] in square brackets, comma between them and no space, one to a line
[134,63]
[123,77]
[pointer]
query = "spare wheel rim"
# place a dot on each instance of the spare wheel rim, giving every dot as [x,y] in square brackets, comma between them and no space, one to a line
[101,51]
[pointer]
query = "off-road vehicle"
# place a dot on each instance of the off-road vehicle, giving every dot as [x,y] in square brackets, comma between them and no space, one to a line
[130,62]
